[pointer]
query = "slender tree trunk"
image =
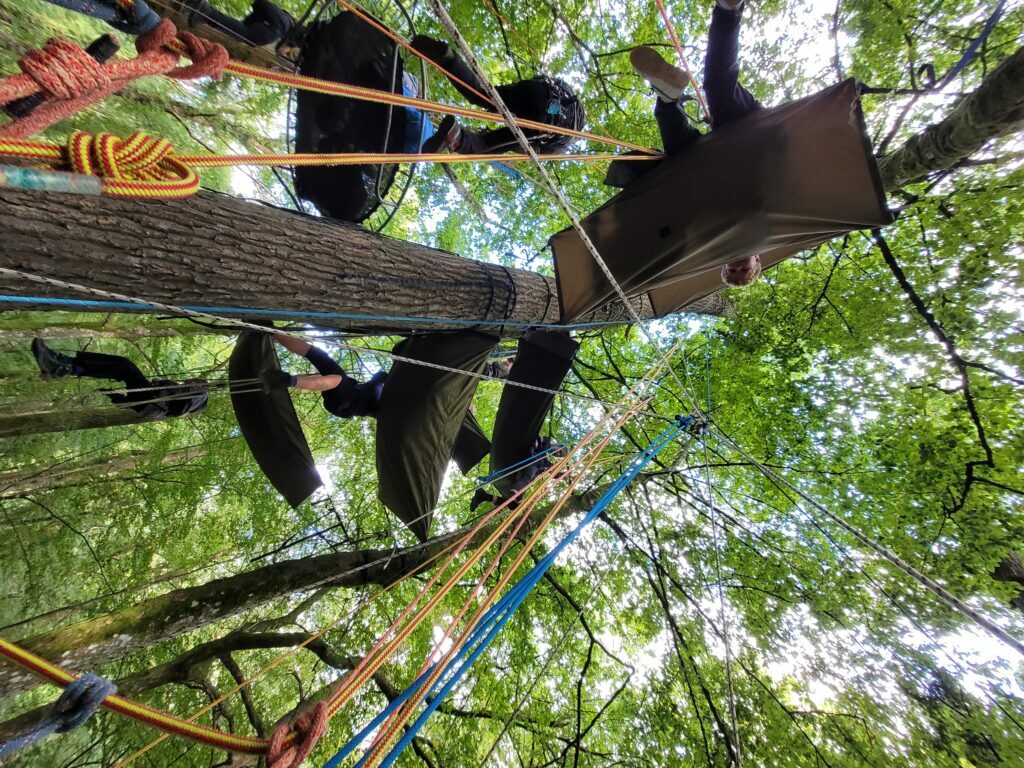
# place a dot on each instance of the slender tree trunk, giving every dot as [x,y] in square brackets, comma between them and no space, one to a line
[22,481]
[995,109]
[58,420]
[1011,569]
[236,257]
[92,643]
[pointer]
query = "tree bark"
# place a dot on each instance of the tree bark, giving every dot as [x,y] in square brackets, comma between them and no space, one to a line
[236,257]
[58,420]
[23,481]
[994,109]
[1011,569]
[89,644]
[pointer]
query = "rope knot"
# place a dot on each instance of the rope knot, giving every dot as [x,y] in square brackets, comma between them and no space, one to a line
[208,58]
[62,70]
[80,701]
[308,728]
[139,166]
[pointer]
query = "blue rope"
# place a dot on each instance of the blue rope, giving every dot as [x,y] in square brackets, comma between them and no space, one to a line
[499,614]
[78,702]
[136,20]
[976,43]
[137,305]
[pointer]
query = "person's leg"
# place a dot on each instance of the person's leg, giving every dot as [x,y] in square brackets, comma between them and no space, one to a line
[727,99]
[251,30]
[676,131]
[96,365]
[440,52]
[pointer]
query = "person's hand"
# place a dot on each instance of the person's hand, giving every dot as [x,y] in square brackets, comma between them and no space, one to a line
[275,379]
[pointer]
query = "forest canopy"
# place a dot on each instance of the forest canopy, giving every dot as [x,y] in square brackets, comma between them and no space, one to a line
[713,615]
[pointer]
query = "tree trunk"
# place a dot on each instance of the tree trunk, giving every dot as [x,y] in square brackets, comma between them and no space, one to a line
[23,481]
[92,643]
[995,109]
[58,420]
[236,257]
[1011,569]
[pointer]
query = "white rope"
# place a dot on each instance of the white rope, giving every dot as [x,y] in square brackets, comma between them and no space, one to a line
[57,283]
[722,615]
[448,23]
[886,554]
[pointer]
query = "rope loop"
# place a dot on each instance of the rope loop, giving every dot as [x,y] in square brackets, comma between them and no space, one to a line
[63,70]
[139,166]
[208,58]
[308,728]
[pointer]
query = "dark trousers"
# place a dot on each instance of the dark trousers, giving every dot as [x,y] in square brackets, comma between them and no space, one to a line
[266,24]
[96,365]
[727,99]
[527,99]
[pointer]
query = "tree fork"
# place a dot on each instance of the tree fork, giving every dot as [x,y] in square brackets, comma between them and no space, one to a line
[230,255]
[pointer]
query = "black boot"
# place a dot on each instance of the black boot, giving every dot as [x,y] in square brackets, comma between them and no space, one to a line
[53,365]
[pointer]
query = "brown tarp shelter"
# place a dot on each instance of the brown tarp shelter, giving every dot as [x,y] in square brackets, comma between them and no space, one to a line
[268,421]
[419,416]
[542,360]
[776,182]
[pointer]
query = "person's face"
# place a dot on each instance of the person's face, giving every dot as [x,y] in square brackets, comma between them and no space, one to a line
[742,271]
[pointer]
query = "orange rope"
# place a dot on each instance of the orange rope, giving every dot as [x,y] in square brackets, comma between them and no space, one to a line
[682,59]
[393,726]
[387,31]
[145,167]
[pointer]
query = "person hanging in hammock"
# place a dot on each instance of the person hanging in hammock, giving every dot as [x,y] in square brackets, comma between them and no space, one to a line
[727,99]
[150,398]
[542,99]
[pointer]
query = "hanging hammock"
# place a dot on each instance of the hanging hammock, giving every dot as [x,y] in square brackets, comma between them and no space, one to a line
[269,423]
[777,182]
[543,360]
[420,414]
[345,49]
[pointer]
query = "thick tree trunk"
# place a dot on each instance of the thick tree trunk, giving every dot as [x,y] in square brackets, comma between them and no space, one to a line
[59,420]
[90,644]
[236,257]
[995,109]
[23,481]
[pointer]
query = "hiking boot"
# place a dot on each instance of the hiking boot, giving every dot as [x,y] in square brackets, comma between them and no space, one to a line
[448,137]
[53,365]
[667,81]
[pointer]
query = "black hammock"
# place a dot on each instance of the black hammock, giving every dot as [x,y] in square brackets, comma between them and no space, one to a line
[422,421]
[774,183]
[268,421]
[542,360]
[346,49]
